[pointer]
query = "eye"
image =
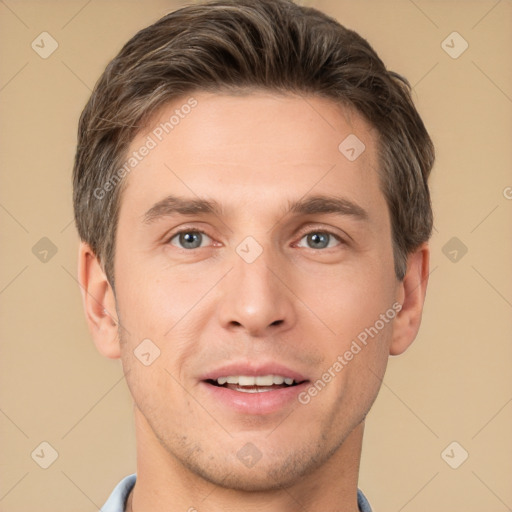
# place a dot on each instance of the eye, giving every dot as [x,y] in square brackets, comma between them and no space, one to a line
[320,240]
[189,239]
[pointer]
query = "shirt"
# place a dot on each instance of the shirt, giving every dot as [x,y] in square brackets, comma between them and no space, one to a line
[117,500]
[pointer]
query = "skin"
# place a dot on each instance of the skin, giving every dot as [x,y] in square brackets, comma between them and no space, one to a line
[297,304]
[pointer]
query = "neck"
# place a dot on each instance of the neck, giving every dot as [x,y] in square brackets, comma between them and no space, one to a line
[164,484]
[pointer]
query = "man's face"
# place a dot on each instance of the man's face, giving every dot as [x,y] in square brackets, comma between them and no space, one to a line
[253,289]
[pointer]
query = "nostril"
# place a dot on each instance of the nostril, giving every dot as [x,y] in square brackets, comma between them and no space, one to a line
[277,322]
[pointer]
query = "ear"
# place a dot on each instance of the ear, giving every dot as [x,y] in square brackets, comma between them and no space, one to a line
[99,303]
[411,294]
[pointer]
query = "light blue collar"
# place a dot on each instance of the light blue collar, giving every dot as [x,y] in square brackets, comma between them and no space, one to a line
[117,500]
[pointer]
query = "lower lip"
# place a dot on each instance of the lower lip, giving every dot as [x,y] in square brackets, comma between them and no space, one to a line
[262,402]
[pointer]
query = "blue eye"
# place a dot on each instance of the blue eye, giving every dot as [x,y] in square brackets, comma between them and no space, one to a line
[189,239]
[320,240]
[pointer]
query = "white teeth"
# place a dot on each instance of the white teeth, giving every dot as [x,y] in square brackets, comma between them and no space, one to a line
[264,380]
[246,381]
[254,390]
[260,380]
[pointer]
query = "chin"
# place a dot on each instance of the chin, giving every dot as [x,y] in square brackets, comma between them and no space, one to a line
[248,480]
[264,476]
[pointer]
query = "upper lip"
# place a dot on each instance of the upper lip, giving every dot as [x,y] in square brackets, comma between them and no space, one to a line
[253,369]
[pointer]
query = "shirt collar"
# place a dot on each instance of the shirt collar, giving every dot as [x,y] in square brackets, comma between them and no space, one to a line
[117,500]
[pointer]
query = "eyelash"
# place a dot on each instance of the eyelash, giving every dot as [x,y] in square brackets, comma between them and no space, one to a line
[304,234]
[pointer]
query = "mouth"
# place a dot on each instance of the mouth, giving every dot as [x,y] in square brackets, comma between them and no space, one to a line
[254,389]
[254,384]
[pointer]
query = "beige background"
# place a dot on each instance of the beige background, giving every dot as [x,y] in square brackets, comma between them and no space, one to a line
[454,384]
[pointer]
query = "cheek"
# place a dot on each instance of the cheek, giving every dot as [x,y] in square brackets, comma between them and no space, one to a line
[351,299]
[161,314]
[357,354]
[152,301]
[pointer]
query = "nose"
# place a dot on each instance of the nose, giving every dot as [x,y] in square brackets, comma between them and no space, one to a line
[257,297]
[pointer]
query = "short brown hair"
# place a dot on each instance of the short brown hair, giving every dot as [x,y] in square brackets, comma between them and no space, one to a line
[244,45]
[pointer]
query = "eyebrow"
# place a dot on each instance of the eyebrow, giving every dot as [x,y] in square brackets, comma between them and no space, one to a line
[171,205]
[317,204]
[322,204]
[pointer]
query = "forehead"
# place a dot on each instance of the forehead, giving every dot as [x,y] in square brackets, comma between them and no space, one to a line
[222,146]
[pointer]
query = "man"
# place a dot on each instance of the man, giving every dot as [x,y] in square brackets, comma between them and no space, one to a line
[250,188]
